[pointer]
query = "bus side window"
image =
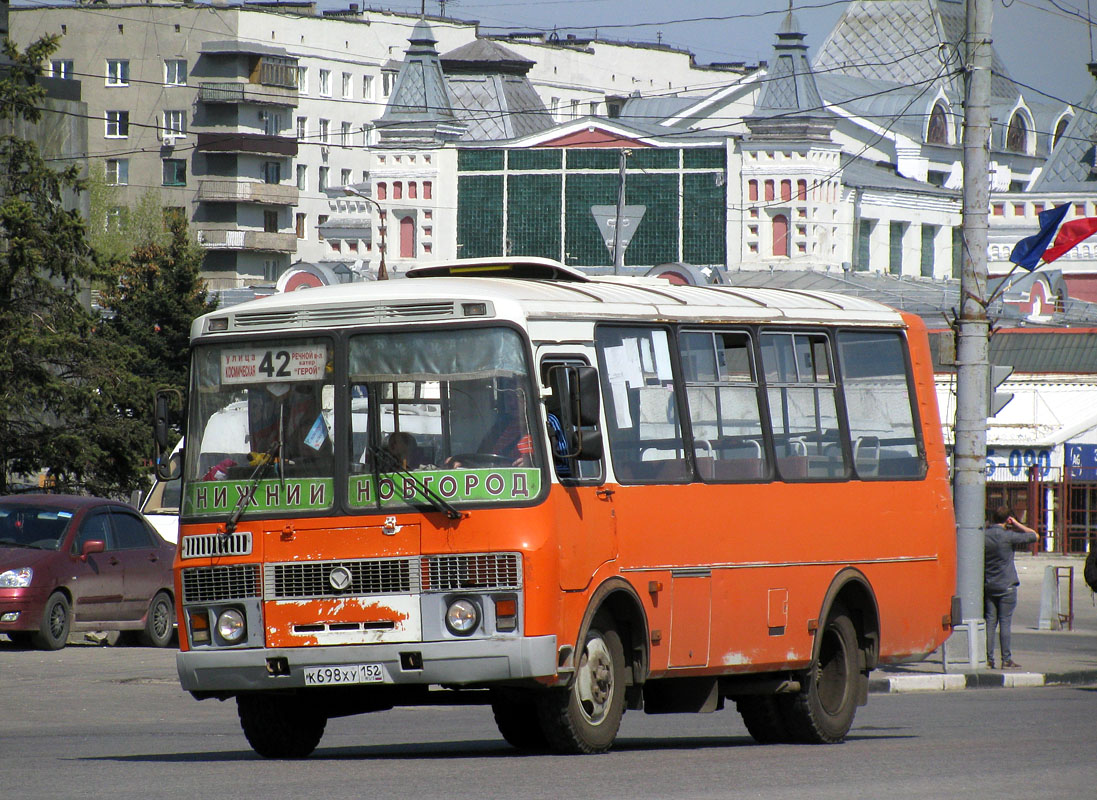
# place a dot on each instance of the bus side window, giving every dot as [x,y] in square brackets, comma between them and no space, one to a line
[645,432]
[878,406]
[722,400]
[803,410]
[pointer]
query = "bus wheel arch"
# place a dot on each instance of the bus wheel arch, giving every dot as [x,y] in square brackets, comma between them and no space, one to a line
[844,650]
[617,599]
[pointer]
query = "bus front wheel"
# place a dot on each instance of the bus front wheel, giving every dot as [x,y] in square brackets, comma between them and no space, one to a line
[822,712]
[280,726]
[585,717]
[515,713]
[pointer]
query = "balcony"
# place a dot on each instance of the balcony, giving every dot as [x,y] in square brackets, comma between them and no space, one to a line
[265,94]
[241,191]
[248,240]
[257,143]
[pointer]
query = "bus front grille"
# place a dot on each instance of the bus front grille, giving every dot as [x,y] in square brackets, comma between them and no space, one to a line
[216,584]
[298,580]
[216,544]
[488,571]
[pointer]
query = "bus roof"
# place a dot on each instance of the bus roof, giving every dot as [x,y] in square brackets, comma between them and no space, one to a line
[438,295]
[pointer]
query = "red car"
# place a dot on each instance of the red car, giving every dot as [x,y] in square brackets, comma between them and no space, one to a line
[81,563]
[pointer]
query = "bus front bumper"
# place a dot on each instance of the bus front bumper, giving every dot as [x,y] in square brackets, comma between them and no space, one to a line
[463,662]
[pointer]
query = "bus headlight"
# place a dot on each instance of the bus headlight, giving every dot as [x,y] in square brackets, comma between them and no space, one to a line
[462,617]
[231,626]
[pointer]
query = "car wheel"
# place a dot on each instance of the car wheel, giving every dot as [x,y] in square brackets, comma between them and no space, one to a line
[53,631]
[159,622]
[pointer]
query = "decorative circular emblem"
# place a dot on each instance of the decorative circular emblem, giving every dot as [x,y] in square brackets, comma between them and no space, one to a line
[339,578]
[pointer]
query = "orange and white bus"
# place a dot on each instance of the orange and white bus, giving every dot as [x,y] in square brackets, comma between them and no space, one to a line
[506,481]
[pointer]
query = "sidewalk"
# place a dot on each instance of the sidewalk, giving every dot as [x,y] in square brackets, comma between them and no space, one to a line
[1047,657]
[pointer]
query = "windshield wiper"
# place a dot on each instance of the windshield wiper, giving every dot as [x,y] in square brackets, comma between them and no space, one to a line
[393,465]
[265,460]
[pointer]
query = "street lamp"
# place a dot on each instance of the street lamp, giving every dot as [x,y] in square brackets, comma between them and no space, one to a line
[382,270]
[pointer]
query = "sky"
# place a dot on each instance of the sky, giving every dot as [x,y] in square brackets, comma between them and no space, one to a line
[1044,44]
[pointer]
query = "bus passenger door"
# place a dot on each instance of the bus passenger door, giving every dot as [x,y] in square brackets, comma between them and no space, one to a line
[586,522]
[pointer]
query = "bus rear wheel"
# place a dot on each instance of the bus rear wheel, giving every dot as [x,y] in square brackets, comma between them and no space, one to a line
[822,712]
[515,713]
[584,718]
[280,726]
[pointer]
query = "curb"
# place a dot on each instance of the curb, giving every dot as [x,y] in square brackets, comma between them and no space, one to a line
[950,682]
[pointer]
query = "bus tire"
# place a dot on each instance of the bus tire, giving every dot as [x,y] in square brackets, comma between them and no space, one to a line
[822,712]
[584,718]
[280,726]
[515,713]
[53,630]
[763,717]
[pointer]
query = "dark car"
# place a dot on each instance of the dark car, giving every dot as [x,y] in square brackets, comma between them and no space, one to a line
[82,563]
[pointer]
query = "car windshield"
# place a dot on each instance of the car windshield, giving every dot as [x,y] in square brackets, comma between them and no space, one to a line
[32,526]
[261,410]
[438,411]
[427,419]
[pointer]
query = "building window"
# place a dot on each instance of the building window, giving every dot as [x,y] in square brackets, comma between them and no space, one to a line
[929,238]
[344,134]
[407,237]
[118,72]
[118,171]
[895,256]
[115,218]
[270,221]
[300,225]
[175,72]
[367,87]
[302,177]
[61,68]
[344,177]
[175,123]
[387,81]
[382,191]
[348,91]
[325,83]
[303,80]
[302,128]
[272,172]
[397,190]
[769,191]
[752,191]
[1017,135]
[320,220]
[325,127]
[413,189]
[937,133]
[175,172]
[118,124]
[801,189]
[427,190]
[352,245]
[322,181]
[1060,129]
[786,191]
[780,235]
[574,109]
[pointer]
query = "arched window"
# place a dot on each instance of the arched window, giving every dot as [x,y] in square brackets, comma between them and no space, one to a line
[786,191]
[752,191]
[382,191]
[801,189]
[769,190]
[938,126]
[1017,135]
[780,235]
[407,237]
[1060,129]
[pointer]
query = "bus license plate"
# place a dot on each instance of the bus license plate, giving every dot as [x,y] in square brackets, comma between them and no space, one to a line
[344,674]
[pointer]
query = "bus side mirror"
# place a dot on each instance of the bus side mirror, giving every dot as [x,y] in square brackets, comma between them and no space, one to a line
[165,414]
[577,398]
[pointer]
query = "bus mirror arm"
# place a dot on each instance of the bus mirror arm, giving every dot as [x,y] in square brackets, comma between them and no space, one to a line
[165,403]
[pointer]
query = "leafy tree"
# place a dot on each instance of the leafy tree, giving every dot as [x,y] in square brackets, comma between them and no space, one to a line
[113,236]
[61,381]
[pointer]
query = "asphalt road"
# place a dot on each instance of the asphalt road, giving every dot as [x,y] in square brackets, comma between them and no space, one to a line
[111,722]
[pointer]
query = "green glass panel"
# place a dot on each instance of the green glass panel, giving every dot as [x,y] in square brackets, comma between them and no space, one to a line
[704,204]
[533,215]
[479,160]
[656,238]
[708,157]
[653,158]
[594,158]
[583,243]
[479,216]
[535,159]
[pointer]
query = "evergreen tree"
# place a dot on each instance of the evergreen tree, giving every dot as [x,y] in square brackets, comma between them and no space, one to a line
[61,381]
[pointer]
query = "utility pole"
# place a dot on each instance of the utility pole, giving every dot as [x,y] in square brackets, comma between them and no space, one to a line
[969,451]
[618,250]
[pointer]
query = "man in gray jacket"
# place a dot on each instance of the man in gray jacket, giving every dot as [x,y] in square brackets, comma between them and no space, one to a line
[1000,579]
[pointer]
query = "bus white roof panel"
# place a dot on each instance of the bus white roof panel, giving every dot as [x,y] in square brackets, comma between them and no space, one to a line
[440,298]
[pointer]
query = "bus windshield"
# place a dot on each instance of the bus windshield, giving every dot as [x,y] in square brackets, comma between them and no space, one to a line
[428,419]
